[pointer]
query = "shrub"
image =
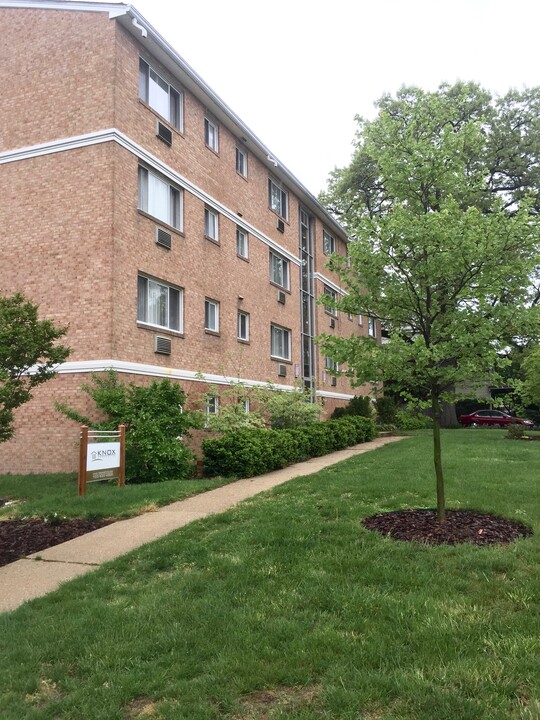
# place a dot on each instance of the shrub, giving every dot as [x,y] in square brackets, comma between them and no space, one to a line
[338,413]
[154,422]
[253,451]
[412,420]
[515,431]
[386,410]
[359,405]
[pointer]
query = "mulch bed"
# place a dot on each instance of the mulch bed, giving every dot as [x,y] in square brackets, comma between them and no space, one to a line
[461,526]
[23,537]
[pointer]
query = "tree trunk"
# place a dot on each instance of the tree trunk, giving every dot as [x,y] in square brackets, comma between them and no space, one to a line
[448,415]
[437,459]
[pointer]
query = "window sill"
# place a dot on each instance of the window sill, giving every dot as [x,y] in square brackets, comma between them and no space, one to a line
[274,212]
[244,177]
[212,150]
[214,333]
[242,257]
[242,341]
[162,119]
[161,223]
[281,360]
[212,240]
[157,328]
[281,287]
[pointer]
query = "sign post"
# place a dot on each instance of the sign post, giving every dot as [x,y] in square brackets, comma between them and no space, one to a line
[102,456]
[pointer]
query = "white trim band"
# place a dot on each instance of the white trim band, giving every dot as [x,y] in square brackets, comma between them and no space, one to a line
[114,135]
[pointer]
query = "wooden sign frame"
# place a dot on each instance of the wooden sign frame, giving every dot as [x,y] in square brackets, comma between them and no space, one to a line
[88,434]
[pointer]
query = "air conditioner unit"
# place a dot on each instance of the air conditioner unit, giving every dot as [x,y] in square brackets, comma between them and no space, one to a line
[282,370]
[162,345]
[281,297]
[280,226]
[333,382]
[332,323]
[164,133]
[163,238]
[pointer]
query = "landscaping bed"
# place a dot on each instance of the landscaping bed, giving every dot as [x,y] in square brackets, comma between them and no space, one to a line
[19,538]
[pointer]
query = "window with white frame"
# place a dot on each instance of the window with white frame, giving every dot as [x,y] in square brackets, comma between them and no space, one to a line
[329,243]
[161,96]
[159,304]
[331,364]
[279,270]
[242,243]
[278,199]
[245,404]
[360,319]
[211,224]
[243,326]
[372,327]
[211,134]
[333,294]
[211,315]
[241,161]
[280,342]
[212,405]
[159,198]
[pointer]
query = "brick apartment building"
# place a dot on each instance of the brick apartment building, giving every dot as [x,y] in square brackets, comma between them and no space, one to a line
[140,211]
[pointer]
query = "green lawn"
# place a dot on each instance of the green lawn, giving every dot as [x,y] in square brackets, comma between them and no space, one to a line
[286,607]
[45,495]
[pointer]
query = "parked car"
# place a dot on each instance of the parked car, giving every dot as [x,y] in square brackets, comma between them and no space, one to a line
[492,418]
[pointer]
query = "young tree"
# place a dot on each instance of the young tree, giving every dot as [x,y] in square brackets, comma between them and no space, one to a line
[446,242]
[28,355]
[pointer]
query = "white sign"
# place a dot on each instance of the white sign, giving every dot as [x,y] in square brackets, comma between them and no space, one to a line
[103,455]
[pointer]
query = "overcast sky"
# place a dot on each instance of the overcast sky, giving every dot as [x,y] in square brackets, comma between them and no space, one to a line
[298,71]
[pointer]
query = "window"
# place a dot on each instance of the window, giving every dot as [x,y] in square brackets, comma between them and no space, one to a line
[280,342]
[212,405]
[211,315]
[329,243]
[243,326]
[279,270]
[242,243]
[331,365]
[159,304]
[372,327]
[159,198]
[157,93]
[278,199]
[333,294]
[241,161]
[211,224]
[360,320]
[245,404]
[211,134]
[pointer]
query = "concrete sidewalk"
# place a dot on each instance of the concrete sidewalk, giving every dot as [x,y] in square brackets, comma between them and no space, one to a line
[43,572]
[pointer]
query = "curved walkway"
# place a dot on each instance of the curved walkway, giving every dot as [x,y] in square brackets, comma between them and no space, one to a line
[43,572]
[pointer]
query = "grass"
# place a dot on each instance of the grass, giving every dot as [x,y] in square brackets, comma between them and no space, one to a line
[286,607]
[44,495]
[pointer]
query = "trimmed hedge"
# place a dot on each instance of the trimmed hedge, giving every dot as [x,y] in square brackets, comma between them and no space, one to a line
[254,451]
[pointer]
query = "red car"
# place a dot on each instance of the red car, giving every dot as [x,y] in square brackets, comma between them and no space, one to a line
[492,418]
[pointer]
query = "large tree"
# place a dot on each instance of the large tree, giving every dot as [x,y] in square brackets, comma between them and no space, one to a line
[441,198]
[28,355]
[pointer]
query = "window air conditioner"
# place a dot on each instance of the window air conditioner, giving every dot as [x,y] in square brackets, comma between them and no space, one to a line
[164,133]
[163,238]
[281,297]
[332,323]
[282,370]
[162,345]
[280,226]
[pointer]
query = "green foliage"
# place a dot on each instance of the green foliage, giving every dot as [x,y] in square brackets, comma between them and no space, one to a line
[254,451]
[386,410]
[232,413]
[155,424]
[25,342]
[288,409]
[359,405]
[515,431]
[447,241]
[530,388]
[412,419]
